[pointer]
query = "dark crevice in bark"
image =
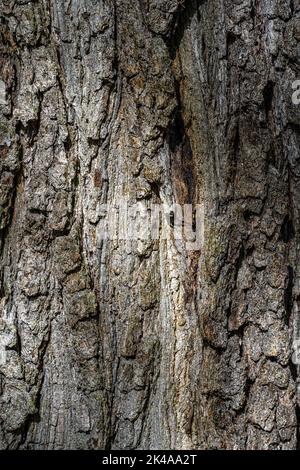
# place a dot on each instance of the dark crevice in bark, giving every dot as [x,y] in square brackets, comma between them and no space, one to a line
[295,127]
[293,369]
[247,214]
[235,154]
[287,232]
[177,134]
[178,138]
[181,21]
[230,40]
[268,94]
[247,390]
[155,189]
[252,12]
[182,159]
[288,294]
[208,344]
[239,262]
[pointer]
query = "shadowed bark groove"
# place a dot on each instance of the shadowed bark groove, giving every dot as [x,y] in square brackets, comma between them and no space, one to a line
[118,345]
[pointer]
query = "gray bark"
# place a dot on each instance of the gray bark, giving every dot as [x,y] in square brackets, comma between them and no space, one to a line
[110,345]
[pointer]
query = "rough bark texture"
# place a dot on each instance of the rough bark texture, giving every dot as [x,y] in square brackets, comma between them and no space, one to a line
[142,345]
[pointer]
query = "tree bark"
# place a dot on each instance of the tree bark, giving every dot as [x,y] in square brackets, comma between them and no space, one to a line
[117,345]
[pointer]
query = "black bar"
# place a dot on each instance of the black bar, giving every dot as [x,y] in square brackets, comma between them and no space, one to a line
[135,459]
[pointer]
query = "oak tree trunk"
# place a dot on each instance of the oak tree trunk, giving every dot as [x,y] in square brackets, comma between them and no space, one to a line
[110,345]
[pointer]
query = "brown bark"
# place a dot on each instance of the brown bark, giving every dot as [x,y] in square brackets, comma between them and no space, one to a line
[143,345]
